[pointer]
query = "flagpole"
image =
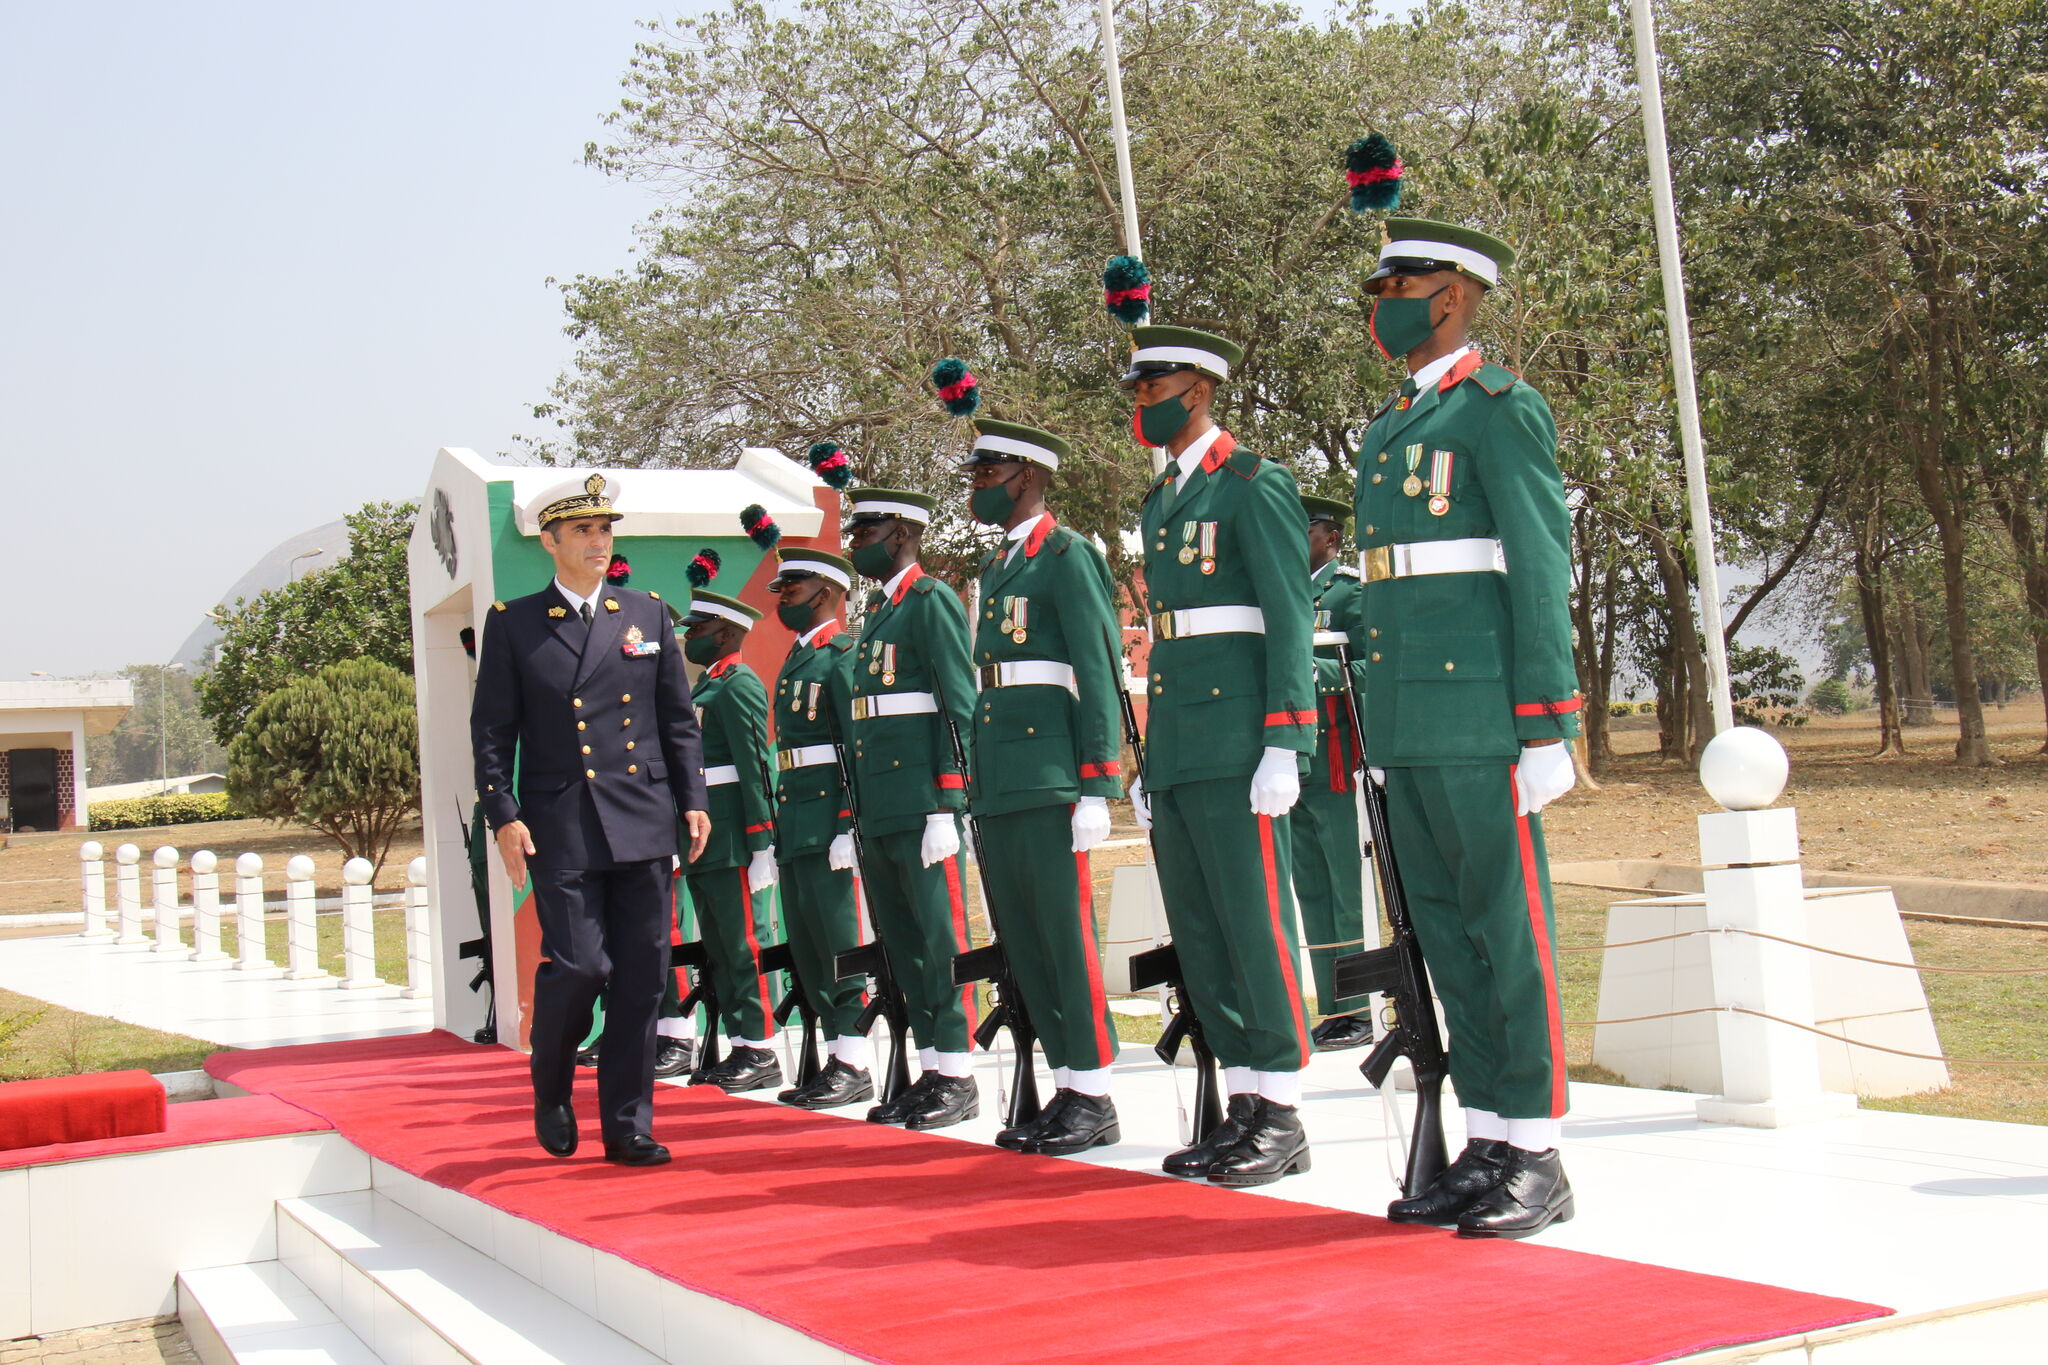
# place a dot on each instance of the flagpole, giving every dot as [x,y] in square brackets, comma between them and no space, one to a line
[1679,326]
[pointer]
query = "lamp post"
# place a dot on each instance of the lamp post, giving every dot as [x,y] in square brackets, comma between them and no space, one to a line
[163,729]
[291,571]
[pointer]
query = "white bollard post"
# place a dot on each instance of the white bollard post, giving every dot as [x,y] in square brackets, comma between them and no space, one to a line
[206,908]
[302,931]
[163,897]
[358,929]
[92,862]
[419,937]
[128,894]
[252,940]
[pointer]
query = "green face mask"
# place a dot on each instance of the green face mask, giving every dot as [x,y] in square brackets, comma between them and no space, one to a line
[994,505]
[1158,423]
[874,560]
[798,616]
[702,649]
[1402,323]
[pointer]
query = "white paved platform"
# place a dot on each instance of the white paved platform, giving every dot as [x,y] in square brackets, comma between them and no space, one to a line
[203,1000]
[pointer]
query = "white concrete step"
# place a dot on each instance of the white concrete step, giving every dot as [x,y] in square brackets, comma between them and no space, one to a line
[262,1314]
[418,1295]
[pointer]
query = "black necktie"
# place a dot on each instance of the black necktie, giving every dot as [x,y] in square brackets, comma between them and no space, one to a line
[586,613]
[1408,389]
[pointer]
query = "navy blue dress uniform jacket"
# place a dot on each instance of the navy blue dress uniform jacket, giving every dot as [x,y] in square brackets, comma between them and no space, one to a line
[600,720]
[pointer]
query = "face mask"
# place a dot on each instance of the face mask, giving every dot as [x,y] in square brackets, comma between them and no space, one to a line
[994,505]
[1402,323]
[798,616]
[702,649]
[1157,423]
[874,560]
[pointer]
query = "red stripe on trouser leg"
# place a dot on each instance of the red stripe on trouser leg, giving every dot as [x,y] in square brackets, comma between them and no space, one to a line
[960,944]
[1093,956]
[1287,973]
[1539,930]
[754,949]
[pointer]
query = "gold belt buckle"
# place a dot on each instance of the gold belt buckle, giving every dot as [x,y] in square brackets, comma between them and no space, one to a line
[991,676]
[1162,625]
[860,708]
[784,760]
[1379,563]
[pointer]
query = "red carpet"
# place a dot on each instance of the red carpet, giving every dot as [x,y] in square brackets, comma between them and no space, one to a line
[917,1247]
[185,1125]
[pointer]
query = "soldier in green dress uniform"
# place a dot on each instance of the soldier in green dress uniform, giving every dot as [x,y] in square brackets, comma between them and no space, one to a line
[1470,705]
[812,705]
[1329,865]
[911,682]
[729,885]
[1047,758]
[1231,716]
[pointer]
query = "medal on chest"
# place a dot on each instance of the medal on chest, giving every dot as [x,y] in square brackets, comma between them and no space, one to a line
[1209,546]
[1412,485]
[1440,481]
[888,665]
[1016,618]
[811,709]
[1187,535]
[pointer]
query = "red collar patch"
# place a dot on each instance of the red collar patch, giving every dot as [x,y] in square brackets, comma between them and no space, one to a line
[1038,534]
[1218,452]
[825,634]
[724,666]
[1460,372]
[910,575]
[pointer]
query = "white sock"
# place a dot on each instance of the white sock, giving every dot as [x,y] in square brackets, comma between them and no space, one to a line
[953,1064]
[761,1043]
[1240,1080]
[1534,1135]
[678,1027]
[1485,1125]
[1279,1087]
[1062,1078]
[927,1058]
[852,1049]
[1094,1082]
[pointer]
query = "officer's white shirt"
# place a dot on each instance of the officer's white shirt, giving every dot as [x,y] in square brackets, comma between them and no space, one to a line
[576,604]
[1437,369]
[1017,534]
[1191,458]
[889,588]
[812,633]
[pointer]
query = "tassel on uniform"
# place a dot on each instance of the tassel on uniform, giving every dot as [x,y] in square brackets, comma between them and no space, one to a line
[1127,290]
[958,390]
[703,568]
[759,526]
[1374,170]
[830,463]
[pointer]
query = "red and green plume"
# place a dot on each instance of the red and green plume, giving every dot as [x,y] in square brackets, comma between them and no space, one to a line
[758,525]
[703,568]
[618,572]
[958,390]
[1127,290]
[1374,169]
[831,464]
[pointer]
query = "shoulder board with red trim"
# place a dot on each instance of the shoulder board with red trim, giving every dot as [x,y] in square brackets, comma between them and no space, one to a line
[1244,463]
[925,584]
[841,642]
[1061,538]
[1495,379]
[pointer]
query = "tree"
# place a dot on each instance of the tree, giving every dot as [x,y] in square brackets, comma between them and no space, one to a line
[358,609]
[337,751]
[137,749]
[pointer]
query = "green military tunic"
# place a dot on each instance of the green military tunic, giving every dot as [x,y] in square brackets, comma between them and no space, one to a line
[813,699]
[910,665]
[1462,667]
[1216,700]
[732,917]
[1040,744]
[1329,865]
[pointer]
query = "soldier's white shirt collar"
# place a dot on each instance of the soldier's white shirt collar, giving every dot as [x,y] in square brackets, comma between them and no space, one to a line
[1437,369]
[889,588]
[576,603]
[1190,458]
[1016,534]
[812,633]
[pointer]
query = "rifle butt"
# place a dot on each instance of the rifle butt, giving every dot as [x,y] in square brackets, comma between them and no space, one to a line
[1427,1154]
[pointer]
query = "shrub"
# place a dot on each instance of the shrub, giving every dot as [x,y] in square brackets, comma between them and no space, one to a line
[174,808]
[1833,697]
[1621,708]
[1646,708]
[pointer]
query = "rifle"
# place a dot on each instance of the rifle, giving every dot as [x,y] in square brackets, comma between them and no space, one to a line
[885,1001]
[780,958]
[703,991]
[473,833]
[1161,967]
[1398,971]
[991,963]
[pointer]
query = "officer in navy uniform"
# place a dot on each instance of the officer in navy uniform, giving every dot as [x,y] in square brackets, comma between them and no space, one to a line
[583,685]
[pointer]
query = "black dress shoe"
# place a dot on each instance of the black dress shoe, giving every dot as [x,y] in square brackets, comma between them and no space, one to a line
[1082,1123]
[637,1150]
[673,1056]
[951,1100]
[555,1126]
[1273,1146]
[1529,1198]
[837,1084]
[1463,1183]
[1193,1163]
[1020,1138]
[1341,1031]
[898,1109]
[588,1056]
[744,1068]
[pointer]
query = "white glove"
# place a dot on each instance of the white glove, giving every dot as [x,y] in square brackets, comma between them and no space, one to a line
[839,857]
[1141,805]
[1276,786]
[1378,775]
[761,871]
[941,838]
[1091,822]
[1544,773]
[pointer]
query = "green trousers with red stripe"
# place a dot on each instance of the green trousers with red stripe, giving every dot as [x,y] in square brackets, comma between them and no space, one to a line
[1044,896]
[733,921]
[1225,875]
[822,920]
[920,915]
[1329,883]
[1478,886]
